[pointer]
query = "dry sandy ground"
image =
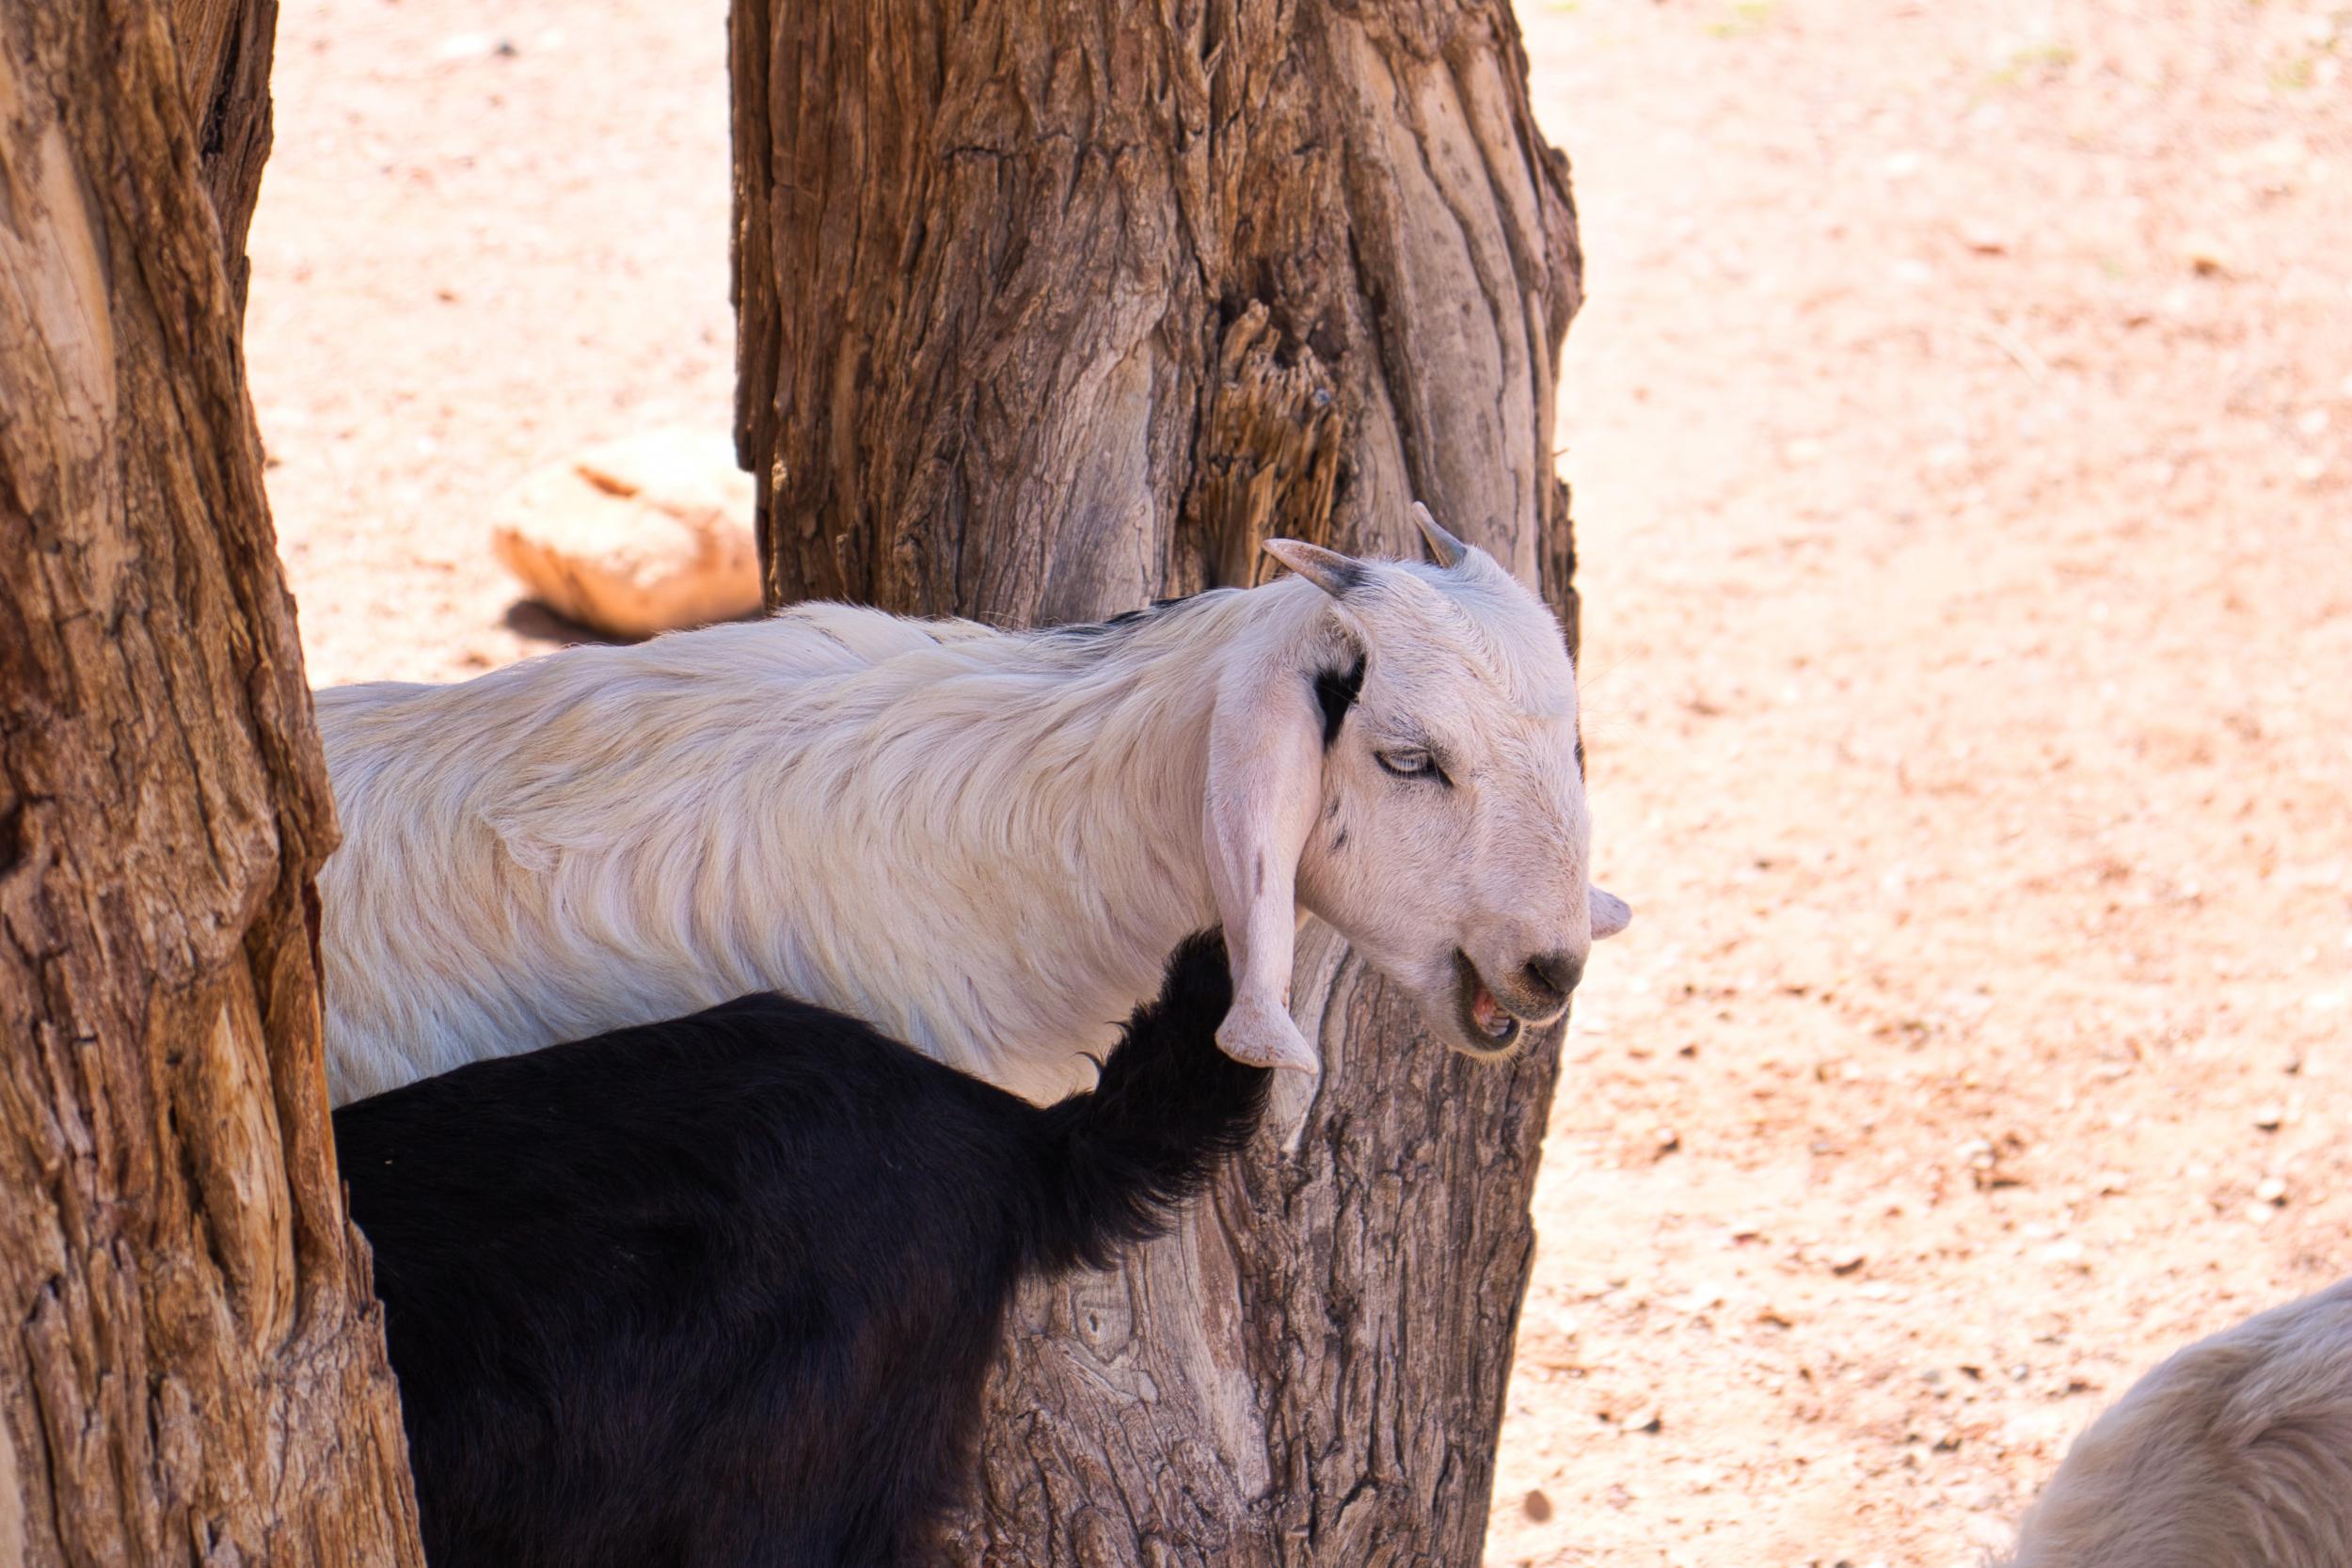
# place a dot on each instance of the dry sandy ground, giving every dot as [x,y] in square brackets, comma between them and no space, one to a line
[490,234]
[1962,424]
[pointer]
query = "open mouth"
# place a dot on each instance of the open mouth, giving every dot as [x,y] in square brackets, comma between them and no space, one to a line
[1487,1026]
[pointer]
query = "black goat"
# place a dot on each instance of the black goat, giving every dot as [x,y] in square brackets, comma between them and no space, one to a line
[725,1290]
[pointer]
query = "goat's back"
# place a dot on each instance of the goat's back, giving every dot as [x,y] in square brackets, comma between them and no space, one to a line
[2237,1452]
[606,836]
[481,904]
[715,1291]
[725,1289]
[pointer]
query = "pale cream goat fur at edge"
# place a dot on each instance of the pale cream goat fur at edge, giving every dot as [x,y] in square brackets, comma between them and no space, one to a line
[983,842]
[2234,1453]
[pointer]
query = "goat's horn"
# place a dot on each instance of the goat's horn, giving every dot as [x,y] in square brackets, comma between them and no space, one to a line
[1444,548]
[1329,570]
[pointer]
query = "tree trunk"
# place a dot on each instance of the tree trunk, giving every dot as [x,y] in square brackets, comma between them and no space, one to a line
[1048,308]
[225,48]
[194,1371]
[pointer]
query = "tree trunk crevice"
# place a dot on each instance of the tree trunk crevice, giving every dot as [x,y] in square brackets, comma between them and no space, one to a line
[225,49]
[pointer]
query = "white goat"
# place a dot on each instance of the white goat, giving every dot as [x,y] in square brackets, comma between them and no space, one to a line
[2236,1454]
[982,842]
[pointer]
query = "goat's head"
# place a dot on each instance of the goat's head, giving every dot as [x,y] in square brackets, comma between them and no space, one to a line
[1410,768]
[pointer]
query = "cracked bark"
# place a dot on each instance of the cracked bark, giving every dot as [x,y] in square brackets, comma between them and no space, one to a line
[225,47]
[1045,310]
[195,1371]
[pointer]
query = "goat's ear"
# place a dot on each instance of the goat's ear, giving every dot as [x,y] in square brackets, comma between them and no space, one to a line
[1611,913]
[1265,777]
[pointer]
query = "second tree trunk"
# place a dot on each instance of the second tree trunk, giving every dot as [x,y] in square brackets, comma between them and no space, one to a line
[1046,311]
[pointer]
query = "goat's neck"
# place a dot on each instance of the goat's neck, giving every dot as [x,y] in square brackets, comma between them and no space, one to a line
[1102,772]
[1127,736]
[1033,815]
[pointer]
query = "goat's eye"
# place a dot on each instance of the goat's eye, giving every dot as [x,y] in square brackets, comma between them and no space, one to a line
[1409,762]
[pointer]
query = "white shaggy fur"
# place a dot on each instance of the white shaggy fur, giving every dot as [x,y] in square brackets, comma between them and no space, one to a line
[2236,1454]
[982,842]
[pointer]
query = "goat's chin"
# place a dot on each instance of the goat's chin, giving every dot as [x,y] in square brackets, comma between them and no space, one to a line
[1487,1050]
[1442,990]
[1448,1016]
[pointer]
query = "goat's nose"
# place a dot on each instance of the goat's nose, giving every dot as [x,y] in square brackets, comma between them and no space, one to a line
[1553,975]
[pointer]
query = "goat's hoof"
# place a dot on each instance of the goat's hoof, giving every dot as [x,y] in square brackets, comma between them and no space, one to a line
[1257,1034]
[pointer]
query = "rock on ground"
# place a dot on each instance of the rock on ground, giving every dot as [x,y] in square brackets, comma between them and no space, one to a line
[642,535]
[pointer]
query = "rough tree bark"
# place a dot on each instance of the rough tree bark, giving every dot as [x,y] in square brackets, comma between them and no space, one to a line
[1048,307]
[225,48]
[194,1368]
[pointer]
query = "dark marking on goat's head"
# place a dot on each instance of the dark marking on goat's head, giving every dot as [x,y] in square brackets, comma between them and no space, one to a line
[1339,841]
[1258,875]
[1580,754]
[1335,573]
[1335,692]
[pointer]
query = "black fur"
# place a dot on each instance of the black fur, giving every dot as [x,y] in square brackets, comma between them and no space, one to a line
[1125,621]
[725,1289]
[1336,690]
